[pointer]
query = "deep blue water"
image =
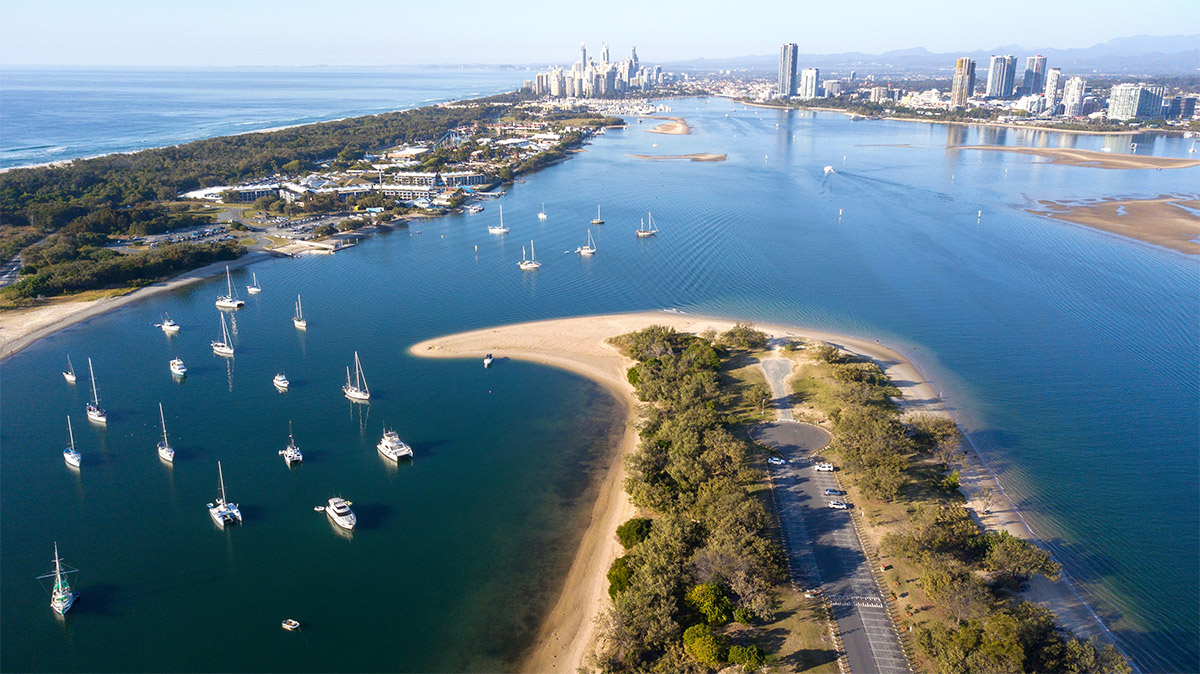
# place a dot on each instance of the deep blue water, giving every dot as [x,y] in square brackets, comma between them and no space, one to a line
[54,114]
[1070,355]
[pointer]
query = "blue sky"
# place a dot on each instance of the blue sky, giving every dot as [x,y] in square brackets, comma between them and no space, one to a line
[378,32]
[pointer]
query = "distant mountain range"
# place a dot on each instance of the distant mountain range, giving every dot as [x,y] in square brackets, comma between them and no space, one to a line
[1137,55]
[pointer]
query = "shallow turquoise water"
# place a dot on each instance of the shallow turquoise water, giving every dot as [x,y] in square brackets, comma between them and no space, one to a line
[1070,355]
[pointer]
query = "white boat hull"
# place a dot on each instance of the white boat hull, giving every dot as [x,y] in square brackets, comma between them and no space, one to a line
[224,303]
[253,290]
[72,458]
[166,453]
[222,349]
[179,370]
[70,377]
[529,266]
[224,514]
[97,415]
[302,325]
[63,603]
[356,395]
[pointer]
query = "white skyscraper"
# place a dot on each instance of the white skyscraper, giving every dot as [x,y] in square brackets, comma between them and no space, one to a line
[1073,97]
[1052,77]
[604,52]
[810,79]
[787,69]
[582,57]
[1001,76]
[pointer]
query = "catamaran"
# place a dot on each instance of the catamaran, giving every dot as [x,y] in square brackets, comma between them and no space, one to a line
[590,248]
[500,228]
[597,220]
[530,264]
[164,448]
[644,230]
[222,511]
[298,319]
[291,454]
[69,375]
[168,325]
[178,368]
[61,595]
[223,347]
[281,382]
[254,288]
[358,391]
[393,447]
[339,511]
[542,213]
[70,455]
[229,300]
[94,411]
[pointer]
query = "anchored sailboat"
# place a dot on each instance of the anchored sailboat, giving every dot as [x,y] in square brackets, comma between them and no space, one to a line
[298,319]
[70,455]
[254,288]
[590,248]
[69,375]
[645,230]
[597,220]
[224,347]
[222,511]
[164,448]
[229,300]
[358,391]
[542,213]
[94,411]
[291,454]
[500,228]
[530,264]
[61,595]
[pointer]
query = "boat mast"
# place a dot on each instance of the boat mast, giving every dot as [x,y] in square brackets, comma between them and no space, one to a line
[164,423]
[58,577]
[70,367]
[221,480]
[228,281]
[532,253]
[299,309]
[72,434]
[95,394]
[359,378]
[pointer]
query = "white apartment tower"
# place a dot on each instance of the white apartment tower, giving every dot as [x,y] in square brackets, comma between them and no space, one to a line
[1073,97]
[1052,77]
[810,79]
[787,69]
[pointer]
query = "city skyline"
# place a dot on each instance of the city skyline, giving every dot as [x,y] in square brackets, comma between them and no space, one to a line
[138,33]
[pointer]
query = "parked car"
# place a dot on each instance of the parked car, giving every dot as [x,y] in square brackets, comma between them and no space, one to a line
[834,492]
[838,505]
[824,467]
[776,461]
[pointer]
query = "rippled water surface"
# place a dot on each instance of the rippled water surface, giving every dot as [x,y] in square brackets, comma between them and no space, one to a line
[1071,356]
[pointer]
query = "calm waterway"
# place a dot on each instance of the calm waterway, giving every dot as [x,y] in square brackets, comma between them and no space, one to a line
[1070,355]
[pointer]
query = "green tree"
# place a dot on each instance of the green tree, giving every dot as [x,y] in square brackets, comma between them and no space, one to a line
[1013,558]
[749,657]
[634,531]
[619,576]
[707,648]
[710,601]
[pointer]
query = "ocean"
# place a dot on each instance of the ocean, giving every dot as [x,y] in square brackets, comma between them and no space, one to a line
[1069,355]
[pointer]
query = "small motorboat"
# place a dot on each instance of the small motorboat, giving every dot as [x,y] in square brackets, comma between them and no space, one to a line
[487,360]
[281,382]
[178,368]
[291,625]
[168,326]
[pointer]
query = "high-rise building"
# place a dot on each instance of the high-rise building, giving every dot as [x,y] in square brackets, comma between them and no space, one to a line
[1073,94]
[1035,74]
[809,82]
[1052,77]
[964,82]
[1135,101]
[604,52]
[787,69]
[582,57]
[853,75]
[1001,76]
[832,88]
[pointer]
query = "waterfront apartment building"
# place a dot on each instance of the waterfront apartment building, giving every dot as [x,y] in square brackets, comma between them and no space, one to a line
[787,69]
[1035,75]
[964,82]
[1073,94]
[809,83]
[832,88]
[1052,77]
[1001,76]
[1135,101]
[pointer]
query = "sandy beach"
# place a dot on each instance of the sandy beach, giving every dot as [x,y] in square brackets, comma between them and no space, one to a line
[697,156]
[578,345]
[675,126]
[1160,221]
[1105,160]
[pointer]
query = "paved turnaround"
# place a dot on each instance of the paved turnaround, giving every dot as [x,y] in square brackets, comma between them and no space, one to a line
[823,548]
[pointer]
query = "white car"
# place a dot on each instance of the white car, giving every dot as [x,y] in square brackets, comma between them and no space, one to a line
[824,467]
[776,461]
[838,505]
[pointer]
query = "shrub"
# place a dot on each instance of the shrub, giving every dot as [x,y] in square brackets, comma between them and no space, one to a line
[710,602]
[742,615]
[744,336]
[707,648]
[620,575]
[749,657]
[634,531]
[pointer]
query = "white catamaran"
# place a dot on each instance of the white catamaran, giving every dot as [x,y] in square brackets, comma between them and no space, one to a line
[500,228]
[70,454]
[357,391]
[254,288]
[229,300]
[298,319]
[393,447]
[94,411]
[590,248]
[647,230]
[69,375]
[291,454]
[597,220]
[224,512]
[164,448]
[223,347]
[530,264]
[61,595]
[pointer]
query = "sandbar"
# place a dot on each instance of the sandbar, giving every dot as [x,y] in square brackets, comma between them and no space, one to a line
[579,345]
[696,156]
[675,126]
[1090,158]
[1162,221]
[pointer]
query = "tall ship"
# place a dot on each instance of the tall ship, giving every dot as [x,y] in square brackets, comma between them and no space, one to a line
[62,597]
[230,299]
[94,411]
[298,319]
[223,512]
[291,454]
[393,447]
[165,452]
[531,264]
[70,454]
[223,347]
[357,390]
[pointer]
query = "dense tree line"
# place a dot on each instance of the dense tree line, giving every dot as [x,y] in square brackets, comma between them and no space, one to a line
[704,558]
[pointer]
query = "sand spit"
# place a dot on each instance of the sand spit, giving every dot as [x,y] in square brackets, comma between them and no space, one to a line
[1163,221]
[697,156]
[1090,158]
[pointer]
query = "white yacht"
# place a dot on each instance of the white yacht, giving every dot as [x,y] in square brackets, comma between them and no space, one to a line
[229,300]
[69,375]
[223,512]
[358,390]
[542,213]
[254,288]
[298,319]
[530,264]
[590,248]
[70,455]
[94,411]
[291,454]
[393,447]
[178,368]
[598,220]
[500,228]
[164,448]
[281,382]
[487,360]
[340,513]
[645,230]
[224,347]
[168,325]
[61,595]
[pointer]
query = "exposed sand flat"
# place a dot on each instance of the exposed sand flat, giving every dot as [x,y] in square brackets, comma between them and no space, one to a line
[697,156]
[1160,221]
[675,126]
[579,345]
[1106,160]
